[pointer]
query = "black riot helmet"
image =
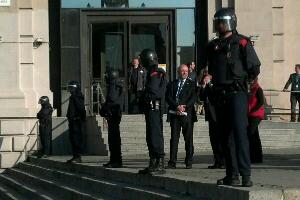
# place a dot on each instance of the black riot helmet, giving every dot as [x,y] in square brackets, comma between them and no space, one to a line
[225,20]
[73,86]
[44,100]
[148,58]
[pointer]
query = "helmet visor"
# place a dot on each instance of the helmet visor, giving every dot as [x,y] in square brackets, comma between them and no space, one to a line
[223,24]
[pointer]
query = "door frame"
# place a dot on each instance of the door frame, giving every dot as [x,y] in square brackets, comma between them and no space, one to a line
[90,16]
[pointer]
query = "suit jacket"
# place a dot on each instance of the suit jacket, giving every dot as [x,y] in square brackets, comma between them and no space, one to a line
[206,97]
[293,80]
[187,96]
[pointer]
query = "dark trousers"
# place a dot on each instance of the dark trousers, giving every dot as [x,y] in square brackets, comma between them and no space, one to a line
[294,98]
[75,135]
[215,141]
[114,138]
[154,133]
[256,154]
[185,123]
[45,131]
[135,106]
[233,120]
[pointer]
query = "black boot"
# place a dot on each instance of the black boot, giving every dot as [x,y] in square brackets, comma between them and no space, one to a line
[112,164]
[160,166]
[293,117]
[246,181]
[150,169]
[171,165]
[216,166]
[229,180]
[76,159]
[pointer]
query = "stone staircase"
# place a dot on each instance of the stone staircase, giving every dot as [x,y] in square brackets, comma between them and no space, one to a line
[17,137]
[42,179]
[53,179]
[274,135]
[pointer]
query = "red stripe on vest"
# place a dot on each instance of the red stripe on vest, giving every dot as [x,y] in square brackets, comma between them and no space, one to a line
[243,42]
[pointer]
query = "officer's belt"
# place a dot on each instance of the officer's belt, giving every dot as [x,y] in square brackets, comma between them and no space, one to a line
[154,105]
[229,88]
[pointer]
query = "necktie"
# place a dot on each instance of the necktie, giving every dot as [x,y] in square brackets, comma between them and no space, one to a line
[179,88]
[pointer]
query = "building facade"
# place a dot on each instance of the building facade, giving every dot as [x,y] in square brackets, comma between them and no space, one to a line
[88,36]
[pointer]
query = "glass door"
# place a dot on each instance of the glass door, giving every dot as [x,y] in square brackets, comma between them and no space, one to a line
[108,52]
[116,41]
[150,32]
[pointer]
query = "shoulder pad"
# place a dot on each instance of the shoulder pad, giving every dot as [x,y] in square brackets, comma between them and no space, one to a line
[243,40]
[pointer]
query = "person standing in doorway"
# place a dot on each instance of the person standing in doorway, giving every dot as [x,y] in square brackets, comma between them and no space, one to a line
[136,84]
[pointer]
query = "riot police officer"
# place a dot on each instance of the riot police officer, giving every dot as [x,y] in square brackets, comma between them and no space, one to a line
[112,111]
[76,116]
[153,102]
[45,126]
[232,62]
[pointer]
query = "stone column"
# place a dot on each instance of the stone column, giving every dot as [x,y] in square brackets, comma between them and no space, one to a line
[24,71]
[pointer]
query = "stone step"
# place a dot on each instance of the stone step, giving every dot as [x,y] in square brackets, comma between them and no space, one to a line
[181,185]
[7,193]
[50,187]
[23,189]
[91,185]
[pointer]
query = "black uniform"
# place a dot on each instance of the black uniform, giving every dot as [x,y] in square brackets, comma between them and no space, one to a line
[153,104]
[45,128]
[112,111]
[231,61]
[154,92]
[76,115]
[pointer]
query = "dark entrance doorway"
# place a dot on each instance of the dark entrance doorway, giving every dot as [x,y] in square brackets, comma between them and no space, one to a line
[110,39]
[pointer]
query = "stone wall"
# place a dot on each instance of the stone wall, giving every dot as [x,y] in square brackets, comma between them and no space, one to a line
[24,71]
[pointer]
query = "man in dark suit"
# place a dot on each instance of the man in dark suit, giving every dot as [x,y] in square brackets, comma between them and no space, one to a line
[295,95]
[181,97]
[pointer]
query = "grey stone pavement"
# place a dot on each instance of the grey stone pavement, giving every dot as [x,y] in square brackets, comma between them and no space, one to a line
[281,168]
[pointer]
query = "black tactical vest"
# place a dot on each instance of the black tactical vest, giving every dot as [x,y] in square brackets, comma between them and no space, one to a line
[226,60]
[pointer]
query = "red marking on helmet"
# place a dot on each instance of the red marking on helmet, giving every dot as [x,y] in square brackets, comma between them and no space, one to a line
[243,42]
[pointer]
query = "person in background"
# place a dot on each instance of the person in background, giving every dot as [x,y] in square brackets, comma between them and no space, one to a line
[192,71]
[294,79]
[45,127]
[136,84]
[255,115]
[76,115]
[205,93]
